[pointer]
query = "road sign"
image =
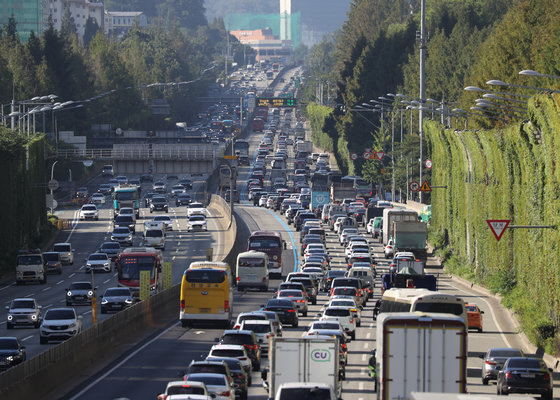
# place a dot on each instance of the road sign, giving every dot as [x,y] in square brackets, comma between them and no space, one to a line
[379,155]
[498,226]
[354,156]
[414,186]
[428,164]
[167,272]
[53,184]
[425,187]
[230,157]
[275,102]
[367,155]
[144,285]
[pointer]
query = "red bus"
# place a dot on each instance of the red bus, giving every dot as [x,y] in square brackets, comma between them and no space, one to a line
[258,125]
[271,243]
[135,259]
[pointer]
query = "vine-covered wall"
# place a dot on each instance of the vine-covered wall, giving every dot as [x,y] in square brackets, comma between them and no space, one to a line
[511,174]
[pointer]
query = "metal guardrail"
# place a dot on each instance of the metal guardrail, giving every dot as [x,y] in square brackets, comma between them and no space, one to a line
[138,154]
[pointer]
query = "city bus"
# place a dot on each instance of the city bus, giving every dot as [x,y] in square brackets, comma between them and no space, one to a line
[135,259]
[241,147]
[424,300]
[206,293]
[270,243]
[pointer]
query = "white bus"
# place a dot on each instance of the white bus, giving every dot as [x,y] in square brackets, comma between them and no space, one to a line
[424,300]
[252,270]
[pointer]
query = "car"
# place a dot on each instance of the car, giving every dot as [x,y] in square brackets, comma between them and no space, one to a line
[159,203]
[12,352]
[388,250]
[263,330]
[89,211]
[196,208]
[107,170]
[23,311]
[105,189]
[246,338]
[240,377]
[474,317]
[235,196]
[297,296]
[146,178]
[177,189]
[172,177]
[116,299]
[127,221]
[190,389]
[79,293]
[59,324]
[66,252]
[159,187]
[166,220]
[342,315]
[217,384]
[97,198]
[121,179]
[112,249]
[305,390]
[343,301]
[197,222]
[82,192]
[525,375]
[53,263]
[183,199]
[126,212]
[148,198]
[233,350]
[494,360]
[98,262]
[286,310]
[122,235]
[186,183]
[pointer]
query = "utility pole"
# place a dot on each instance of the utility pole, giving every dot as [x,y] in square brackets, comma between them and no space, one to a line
[422,89]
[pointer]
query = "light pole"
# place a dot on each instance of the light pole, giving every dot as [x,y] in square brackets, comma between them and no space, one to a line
[498,82]
[530,72]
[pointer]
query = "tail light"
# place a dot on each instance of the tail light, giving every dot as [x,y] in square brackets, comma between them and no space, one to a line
[226,305]
[490,362]
[238,279]
[226,393]
[547,376]
[236,326]
[300,301]
[292,311]
[351,320]
[264,279]
[508,375]
[182,304]
[243,359]
[251,346]
[343,345]
[269,335]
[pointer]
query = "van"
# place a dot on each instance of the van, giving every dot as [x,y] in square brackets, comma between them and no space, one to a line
[154,237]
[66,252]
[107,170]
[252,270]
[30,267]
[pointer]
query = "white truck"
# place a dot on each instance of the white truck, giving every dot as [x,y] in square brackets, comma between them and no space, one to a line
[30,267]
[395,214]
[302,360]
[420,352]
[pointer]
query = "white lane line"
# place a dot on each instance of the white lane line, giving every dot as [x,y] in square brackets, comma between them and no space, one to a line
[50,305]
[178,243]
[504,338]
[361,386]
[6,287]
[368,335]
[112,370]
[75,221]
[173,258]
[87,312]
[363,357]
[71,275]
[27,337]
[59,282]
[30,295]
[363,371]
[366,345]
[47,288]
[106,280]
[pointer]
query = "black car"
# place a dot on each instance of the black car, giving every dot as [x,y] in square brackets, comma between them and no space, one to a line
[11,352]
[53,262]
[246,339]
[116,299]
[146,178]
[126,221]
[302,217]
[331,275]
[310,288]
[158,204]
[285,309]
[525,375]
[148,198]
[112,249]
[186,183]
[183,199]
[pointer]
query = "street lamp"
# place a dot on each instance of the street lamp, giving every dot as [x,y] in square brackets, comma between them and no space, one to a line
[497,82]
[530,72]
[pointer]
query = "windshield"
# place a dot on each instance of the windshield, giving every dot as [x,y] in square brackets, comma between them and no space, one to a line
[238,338]
[117,292]
[257,328]
[154,233]
[337,312]
[185,389]
[60,314]
[205,276]
[290,293]
[8,344]
[111,246]
[97,257]
[264,243]
[51,256]
[130,266]
[126,195]
[61,247]
[449,308]
[23,304]
[251,262]
[228,353]
[532,363]
[304,393]
[121,230]
[80,285]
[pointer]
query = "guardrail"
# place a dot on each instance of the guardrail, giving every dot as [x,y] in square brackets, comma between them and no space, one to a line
[138,154]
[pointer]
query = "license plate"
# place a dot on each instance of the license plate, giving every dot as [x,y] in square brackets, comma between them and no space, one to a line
[204,310]
[115,306]
[528,375]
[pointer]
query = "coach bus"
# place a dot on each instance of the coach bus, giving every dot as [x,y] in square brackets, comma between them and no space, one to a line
[270,243]
[424,300]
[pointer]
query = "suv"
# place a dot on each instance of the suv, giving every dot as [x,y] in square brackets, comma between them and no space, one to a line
[310,287]
[342,315]
[247,339]
[351,282]
[60,324]
[98,261]
[159,204]
[262,329]
[24,311]
[125,221]
[66,252]
[30,267]
[107,170]
[79,293]
[52,262]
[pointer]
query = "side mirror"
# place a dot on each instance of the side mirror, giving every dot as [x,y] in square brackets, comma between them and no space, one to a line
[95,288]
[481,356]
[285,245]
[482,312]
[80,317]
[101,296]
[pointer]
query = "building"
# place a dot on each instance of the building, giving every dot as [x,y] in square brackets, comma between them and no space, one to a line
[28,14]
[117,23]
[80,10]
[267,46]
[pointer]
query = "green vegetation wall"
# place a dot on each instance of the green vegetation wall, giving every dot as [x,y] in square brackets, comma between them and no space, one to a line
[509,174]
[22,202]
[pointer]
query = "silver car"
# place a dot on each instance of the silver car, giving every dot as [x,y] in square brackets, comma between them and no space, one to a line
[24,311]
[494,361]
[98,262]
[297,296]
[60,324]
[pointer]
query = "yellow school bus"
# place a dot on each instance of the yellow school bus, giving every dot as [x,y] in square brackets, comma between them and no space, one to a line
[206,293]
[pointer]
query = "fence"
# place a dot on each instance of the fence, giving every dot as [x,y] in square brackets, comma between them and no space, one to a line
[139,154]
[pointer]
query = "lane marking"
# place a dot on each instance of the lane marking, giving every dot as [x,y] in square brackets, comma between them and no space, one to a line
[47,288]
[27,337]
[59,282]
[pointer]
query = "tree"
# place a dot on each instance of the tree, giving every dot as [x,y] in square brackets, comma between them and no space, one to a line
[90,30]
[68,25]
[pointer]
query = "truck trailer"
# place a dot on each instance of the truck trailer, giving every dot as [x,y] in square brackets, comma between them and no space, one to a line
[395,214]
[420,352]
[411,236]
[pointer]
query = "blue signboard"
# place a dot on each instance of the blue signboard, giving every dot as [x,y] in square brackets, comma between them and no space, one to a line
[319,198]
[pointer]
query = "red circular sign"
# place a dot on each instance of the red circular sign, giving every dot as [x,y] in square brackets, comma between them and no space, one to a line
[354,156]
[414,186]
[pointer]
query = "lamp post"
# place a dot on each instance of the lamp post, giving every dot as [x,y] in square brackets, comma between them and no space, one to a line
[498,82]
[530,72]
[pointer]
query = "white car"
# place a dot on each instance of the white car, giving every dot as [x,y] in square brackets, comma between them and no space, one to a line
[262,200]
[369,225]
[196,208]
[263,329]
[59,324]
[166,220]
[356,247]
[232,350]
[216,384]
[197,222]
[97,198]
[342,315]
[98,262]
[191,389]
[177,189]
[128,211]
[350,303]
[89,211]
[347,232]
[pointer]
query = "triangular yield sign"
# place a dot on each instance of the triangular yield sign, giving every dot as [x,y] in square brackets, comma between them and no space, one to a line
[379,154]
[425,187]
[498,226]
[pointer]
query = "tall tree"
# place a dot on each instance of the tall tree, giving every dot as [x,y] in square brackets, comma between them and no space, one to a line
[90,30]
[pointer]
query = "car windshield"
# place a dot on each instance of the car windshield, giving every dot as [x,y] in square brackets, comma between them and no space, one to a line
[238,338]
[209,380]
[61,248]
[257,328]
[97,257]
[279,303]
[154,233]
[344,292]
[121,230]
[23,304]
[111,246]
[326,325]
[470,308]
[337,312]
[162,218]
[505,353]
[228,353]
[8,344]
[533,363]
[117,292]
[197,218]
[343,303]
[185,389]
[304,393]
[242,318]
[51,256]
[290,293]
[80,285]
[89,208]
[60,314]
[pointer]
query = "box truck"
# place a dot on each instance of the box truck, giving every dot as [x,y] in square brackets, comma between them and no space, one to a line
[395,214]
[411,236]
